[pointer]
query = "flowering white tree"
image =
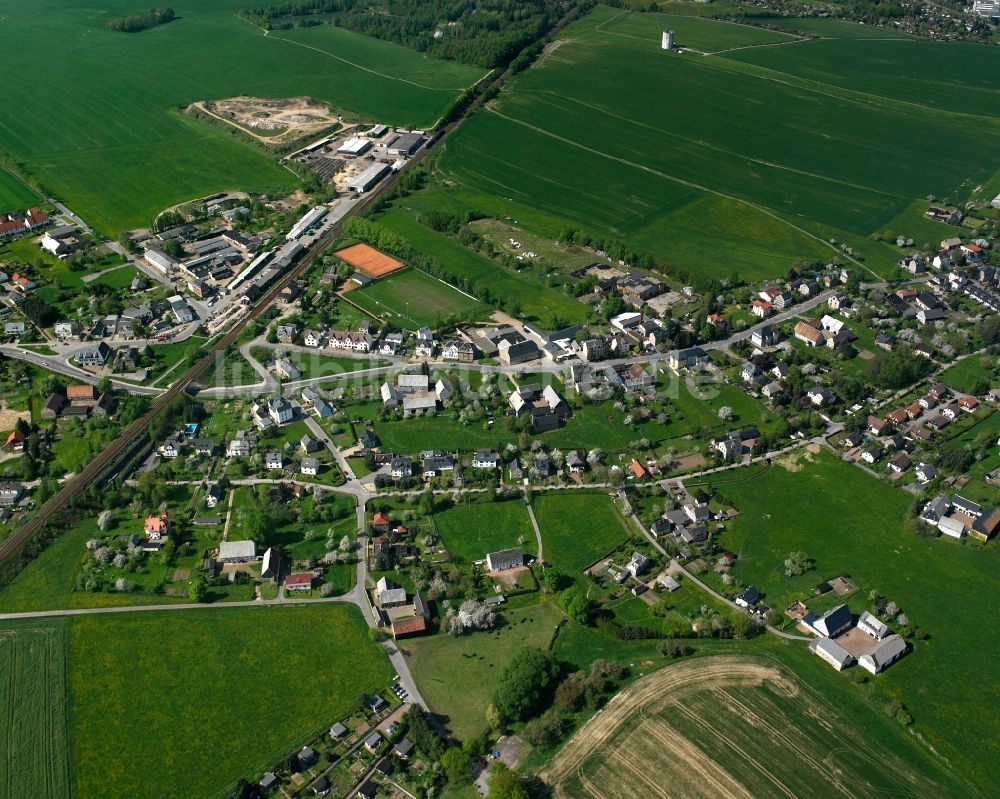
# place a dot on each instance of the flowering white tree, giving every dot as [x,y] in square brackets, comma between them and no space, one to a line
[121,560]
[345,544]
[104,519]
[331,557]
[438,586]
[725,413]
[595,456]
[472,615]
[104,554]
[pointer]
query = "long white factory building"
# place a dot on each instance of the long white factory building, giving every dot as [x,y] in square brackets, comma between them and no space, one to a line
[306,223]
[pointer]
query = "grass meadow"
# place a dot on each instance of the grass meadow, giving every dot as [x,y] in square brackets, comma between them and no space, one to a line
[471,531]
[967,374]
[664,149]
[851,524]
[412,299]
[474,662]
[114,146]
[264,680]
[34,740]
[578,528]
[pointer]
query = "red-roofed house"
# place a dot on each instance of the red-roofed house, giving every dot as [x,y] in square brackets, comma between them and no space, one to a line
[638,470]
[380,522]
[968,403]
[411,626]
[302,581]
[761,309]
[15,441]
[16,223]
[157,527]
[898,416]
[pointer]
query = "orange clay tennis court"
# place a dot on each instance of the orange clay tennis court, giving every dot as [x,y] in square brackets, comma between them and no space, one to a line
[368,260]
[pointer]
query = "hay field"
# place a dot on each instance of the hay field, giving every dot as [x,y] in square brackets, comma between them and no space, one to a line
[96,118]
[728,726]
[738,161]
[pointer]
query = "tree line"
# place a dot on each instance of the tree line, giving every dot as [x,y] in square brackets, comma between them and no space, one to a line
[141,22]
[483,33]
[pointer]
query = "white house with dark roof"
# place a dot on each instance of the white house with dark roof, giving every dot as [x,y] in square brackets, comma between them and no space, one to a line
[870,625]
[485,459]
[504,559]
[891,649]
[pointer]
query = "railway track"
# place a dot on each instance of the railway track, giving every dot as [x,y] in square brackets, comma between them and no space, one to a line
[94,470]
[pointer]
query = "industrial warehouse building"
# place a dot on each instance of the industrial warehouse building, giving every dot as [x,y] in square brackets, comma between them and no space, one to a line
[406,144]
[368,179]
[355,146]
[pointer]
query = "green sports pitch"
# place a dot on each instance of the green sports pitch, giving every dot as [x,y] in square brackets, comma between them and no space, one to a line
[412,299]
[99,123]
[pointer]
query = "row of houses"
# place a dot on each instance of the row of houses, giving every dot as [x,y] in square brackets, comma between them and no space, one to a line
[80,400]
[18,223]
[956,516]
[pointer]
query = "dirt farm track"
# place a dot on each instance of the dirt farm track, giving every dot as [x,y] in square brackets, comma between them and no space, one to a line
[735,727]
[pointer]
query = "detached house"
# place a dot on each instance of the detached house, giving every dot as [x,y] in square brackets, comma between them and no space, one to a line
[485,459]
[157,527]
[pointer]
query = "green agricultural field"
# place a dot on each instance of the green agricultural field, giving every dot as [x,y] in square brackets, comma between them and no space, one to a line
[133,678]
[412,299]
[14,195]
[115,147]
[34,741]
[696,33]
[957,77]
[851,524]
[664,149]
[578,528]
[441,662]
[471,531]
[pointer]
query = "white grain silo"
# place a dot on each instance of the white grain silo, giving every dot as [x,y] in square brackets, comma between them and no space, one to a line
[668,40]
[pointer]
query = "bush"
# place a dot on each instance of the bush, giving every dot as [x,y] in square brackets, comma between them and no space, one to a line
[545,730]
